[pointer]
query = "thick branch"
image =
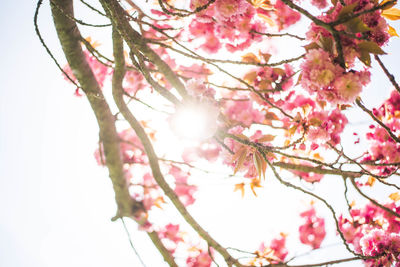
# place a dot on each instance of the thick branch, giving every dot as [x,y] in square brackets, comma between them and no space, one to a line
[70,37]
[118,76]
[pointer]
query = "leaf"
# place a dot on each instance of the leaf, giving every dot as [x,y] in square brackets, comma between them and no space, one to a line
[370,47]
[357,25]
[391,31]
[241,157]
[371,181]
[311,46]
[388,6]
[271,116]
[347,10]
[395,196]
[279,71]
[392,14]
[315,122]
[258,163]
[266,56]
[326,43]
[267,19]
[255,183]
[239,187]
[365,58]
[250,58]
[292,130]
[299,78]
[267,138]
[250,77]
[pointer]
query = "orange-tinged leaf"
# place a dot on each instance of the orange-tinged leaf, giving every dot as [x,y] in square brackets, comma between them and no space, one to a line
[391,31]
[266,138]
[318,156]
[240,161]
[352,204]
[250,77]
[388,6]
[271,116]
[255,183]
[266,56]
[239,187]
[395,196]
[159,201]
[94,44]
[258,163]
[315,122]
[279,71]
[242,136]
[250,58]
[310,46]
[371,180]
[238,153]
[292,130]
[267,19]
[392,13]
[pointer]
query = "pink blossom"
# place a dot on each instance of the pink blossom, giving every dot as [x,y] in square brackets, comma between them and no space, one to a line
[312,232]
[201,259]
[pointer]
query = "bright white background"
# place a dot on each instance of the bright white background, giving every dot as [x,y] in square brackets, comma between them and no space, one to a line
[56,203]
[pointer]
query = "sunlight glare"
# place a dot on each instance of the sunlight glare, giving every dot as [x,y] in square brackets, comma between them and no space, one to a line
[196,122]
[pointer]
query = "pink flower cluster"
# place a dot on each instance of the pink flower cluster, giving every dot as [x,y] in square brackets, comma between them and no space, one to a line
[200,258]
[385,247]
[230,20]
[373,232]
[329,81]
[312,232]
[383,148]
[182,188]
[276,252]
[326,126]
[372,26]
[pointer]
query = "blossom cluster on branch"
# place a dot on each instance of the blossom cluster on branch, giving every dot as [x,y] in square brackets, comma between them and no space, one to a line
[264,115]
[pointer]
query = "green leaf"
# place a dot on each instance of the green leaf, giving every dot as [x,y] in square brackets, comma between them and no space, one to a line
[347,10]
[357,25]
[365,58]
[370,47]
[326,44]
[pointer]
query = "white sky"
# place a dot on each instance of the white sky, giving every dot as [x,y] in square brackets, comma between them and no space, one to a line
[56,203]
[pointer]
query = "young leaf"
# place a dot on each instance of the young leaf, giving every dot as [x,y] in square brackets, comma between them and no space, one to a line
[255,183]
[258,163]
[266,138]
[239,187]
[347,10]
[392,14]
[389,6]
[241,156]
[365,58]
[357,25]
[391,31]
[370,47]
[395,196]
[250,58]
[371,181]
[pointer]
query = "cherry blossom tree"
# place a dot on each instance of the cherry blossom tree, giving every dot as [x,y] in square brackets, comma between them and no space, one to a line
[260,89]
